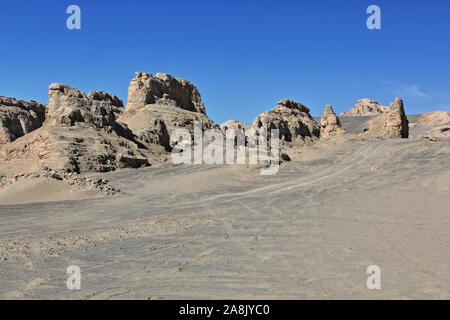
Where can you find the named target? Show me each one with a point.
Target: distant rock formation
(435, 124)
(365, 107)
(158, 105)
(18, 118)
(292, 119)
(233, 124)
(393, 124)
(163, 89)
(330, 124)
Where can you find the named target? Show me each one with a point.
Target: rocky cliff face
(365, 107)
(393, 124)
(18, 118)
(330, 124)
(163, 89)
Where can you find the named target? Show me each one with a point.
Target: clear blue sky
(242, 55)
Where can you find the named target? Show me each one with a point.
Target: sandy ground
(218, 232)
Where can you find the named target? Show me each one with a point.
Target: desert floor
(216, 232)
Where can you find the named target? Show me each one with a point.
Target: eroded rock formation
(18, 118)
(163, 89)
(393, 124)
(365, 107)
(80, 134)
(330, 124)
(292, 119)
(158, 105)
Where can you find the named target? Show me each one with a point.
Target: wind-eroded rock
(365, 107)
(18, 118)
(393, 124)
(330, 124)
(292, 119)
(80, 134)
(163, 89)
(434, 124)
(69, 106)
(158, 105)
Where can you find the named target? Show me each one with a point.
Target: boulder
(330, 124)
(18, 118)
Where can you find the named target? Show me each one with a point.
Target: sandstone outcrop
(292, 119)
(158, 105)
(434, 124)
(163, 89)
(295, 125)
(69, 106)
(18, 118)
(330, 124)
(233, 124)
(393, 124)
(365, 107)
(80, 134)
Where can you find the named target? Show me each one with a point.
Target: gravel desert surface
(202, 232)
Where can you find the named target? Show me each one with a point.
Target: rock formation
(69, 106)
(80, 134)
(393, 124)
(292, 119)
(330, 124)
(365, 107)
(158, 105)
(163, 89)
(233, 124)
(18, 118)
(434, 124)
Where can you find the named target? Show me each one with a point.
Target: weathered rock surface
(69, 106)
(295, 125)
(158, 105)
(163, 89)
(365, 107)
(330, 124)
(80, 134)
(292, 119)
(18, 118)
(434, 124)
(233, 124)
(393, 124)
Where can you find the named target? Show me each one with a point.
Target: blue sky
(242, 55)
